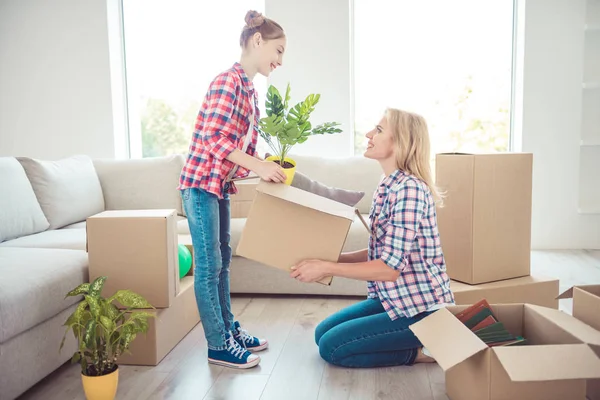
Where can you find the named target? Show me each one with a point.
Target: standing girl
(223, 147)
(403, 265)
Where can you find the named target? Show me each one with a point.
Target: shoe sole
(258, 348)
(236, 366)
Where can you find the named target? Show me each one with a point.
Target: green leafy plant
(283, 128)
(103, 331)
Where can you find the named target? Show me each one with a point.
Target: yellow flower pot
(101, 387)
(289, 172)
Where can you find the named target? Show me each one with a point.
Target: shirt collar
(392, 178)
(247, 83)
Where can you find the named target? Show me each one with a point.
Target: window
(450, 61)
(173, 50)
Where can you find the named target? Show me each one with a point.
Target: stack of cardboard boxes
(137, 250)
(485, 229)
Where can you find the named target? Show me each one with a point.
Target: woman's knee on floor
(328, 343)
(321, 330)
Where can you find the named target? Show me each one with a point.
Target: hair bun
(254, 19)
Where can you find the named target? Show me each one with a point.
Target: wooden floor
(291, 368)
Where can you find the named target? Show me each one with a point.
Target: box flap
(306, 199)
(447, 339)
(568, 294)
(575, 327)
(362, 220)
(531, 363)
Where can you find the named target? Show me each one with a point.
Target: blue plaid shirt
(405, 237)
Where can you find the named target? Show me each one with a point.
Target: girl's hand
(270, 172)
(310, 270)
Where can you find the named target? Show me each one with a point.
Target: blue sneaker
(234, 356)
(248, 341)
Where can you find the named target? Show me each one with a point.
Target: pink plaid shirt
(221, 127)
(406, 238)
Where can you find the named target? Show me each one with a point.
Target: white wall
(317, 60)
(57, 97)
(551, 122)
(55, 83)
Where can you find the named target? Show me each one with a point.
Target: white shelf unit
(589, 153)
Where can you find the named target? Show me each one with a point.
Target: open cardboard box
(555, 364)
(586, 303)
(586, 306)
(286, 225)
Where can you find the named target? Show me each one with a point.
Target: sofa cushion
(20, 212)
(141, 184)
(68, 189)
(76, 225)
(357, 239)
(33, 285)
(72, 239)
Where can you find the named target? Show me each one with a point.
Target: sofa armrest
(142, 184)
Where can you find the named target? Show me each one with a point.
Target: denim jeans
(364, 336)
(209, 222)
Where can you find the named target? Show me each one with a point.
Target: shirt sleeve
(220, 131)
(405, 218)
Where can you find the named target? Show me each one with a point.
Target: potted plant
(283, 128)
(104, 332)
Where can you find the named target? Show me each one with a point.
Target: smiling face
(268, 53)
(263, 42)
(381, 142)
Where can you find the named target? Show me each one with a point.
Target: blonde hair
(411, 137)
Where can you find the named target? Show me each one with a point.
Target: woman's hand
(311, 270)
(270, 172)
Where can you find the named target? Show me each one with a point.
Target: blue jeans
(209, 222)
(364, 336)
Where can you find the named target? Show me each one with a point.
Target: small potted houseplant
(283, 128)
(104, 332)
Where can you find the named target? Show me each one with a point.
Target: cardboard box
(538, 290)
(135, 250)
(165, 331)
(586, 303)
(241, 202)
(554, 365)
(287, 225)
(586, 306)
(485, 222)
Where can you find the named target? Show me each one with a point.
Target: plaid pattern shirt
(221, 127)
(405, 236)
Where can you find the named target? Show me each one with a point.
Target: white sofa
(43, 208)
